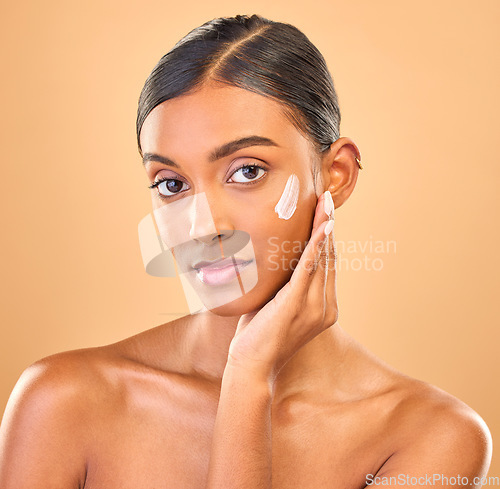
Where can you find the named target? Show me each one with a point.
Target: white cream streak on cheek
(288, 202)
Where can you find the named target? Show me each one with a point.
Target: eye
(168, 187)
(248, 173)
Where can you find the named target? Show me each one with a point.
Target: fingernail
(328, 206)
(328, 228)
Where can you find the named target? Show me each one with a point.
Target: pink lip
(220, 271)
(218, 264)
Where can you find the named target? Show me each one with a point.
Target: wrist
(249, 375)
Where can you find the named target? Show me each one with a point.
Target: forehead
(213, 115)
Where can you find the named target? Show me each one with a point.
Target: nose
(209, 222)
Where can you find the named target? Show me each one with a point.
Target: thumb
(244, 320)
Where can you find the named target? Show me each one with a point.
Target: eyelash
(166, 197)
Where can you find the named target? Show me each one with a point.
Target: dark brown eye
(173, 185)
(167, 187)
(249, 172)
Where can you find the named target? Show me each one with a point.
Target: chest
(168, 445)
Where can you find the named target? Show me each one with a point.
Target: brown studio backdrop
(418, 85)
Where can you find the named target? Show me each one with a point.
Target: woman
(238, 127)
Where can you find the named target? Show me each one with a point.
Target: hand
(307, 305)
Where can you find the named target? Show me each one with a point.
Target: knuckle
(316, 316)
(323, 256)
(295, 309)
(332, 316)
(310, 267)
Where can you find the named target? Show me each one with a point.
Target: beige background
(418, 86)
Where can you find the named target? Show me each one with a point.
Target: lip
(221, 271)
(219, 264)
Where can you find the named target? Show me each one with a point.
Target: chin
(249, 302)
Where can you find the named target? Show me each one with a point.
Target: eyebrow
(218, 153)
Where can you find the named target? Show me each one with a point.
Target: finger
(317, 286)
(308, 263)
(331, 280)
(320, 214)
(324, 211)
(317, 289)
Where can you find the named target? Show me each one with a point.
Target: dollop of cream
(287, 204)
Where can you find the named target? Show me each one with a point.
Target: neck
(315, 365)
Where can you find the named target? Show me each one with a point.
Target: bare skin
(142, 412)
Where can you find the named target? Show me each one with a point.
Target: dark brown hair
(271, 58)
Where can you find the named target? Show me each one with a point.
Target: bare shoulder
(58, 417)
(419, 419)
(66, 384)
(435, 433)
(438, 412)
(60, 406)
(46, 421)
(66, 375)
(419, 429)
(93, 377)
(74, 365)
(71, 385)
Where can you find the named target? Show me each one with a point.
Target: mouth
(220, 271)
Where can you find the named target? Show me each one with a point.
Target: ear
(339, 169)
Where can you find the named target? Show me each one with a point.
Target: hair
(270, 58)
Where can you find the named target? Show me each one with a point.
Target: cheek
(287, 204)
(282, 239)
(294, 210)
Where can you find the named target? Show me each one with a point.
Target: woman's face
(208, 208)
